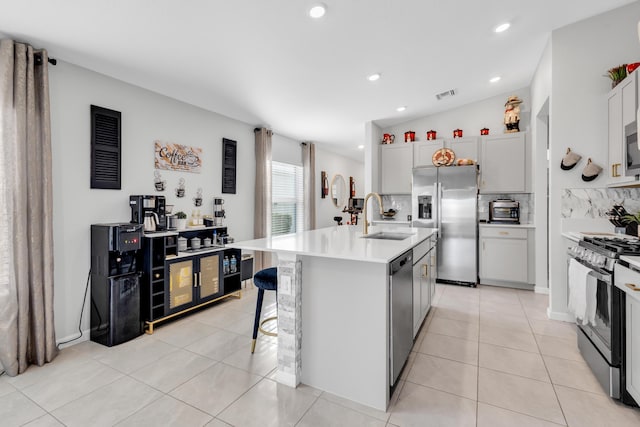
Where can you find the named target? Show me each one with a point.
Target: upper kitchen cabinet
(622, 106)
(396, 164)
(423, 151)
(464, 148)
(503, 163)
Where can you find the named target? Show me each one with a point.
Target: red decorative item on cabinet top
(484, 131)
(409, 136)
(431, 135)
(457, 133)
(632, 67)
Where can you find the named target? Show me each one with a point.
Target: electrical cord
(84, 300)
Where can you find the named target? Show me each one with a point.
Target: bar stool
(265, 280)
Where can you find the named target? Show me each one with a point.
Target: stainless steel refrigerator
(446, 198)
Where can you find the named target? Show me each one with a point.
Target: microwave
(504, 211)
(632, 150)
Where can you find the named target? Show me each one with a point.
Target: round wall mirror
(338, 191)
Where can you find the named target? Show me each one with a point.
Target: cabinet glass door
(209, 276)
(180, 283)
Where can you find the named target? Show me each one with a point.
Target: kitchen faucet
(365, 228)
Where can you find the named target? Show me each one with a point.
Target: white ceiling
(266, 62)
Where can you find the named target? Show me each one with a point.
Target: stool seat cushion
(267, 279)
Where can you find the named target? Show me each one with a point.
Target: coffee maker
(143, 208)
(116, 256)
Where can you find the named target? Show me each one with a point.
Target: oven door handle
(605, 278)
(595, 273)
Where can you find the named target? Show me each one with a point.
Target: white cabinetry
(626, 279)
(423, 281)
(464, 148)
(504, 256)
(423, 152)
(622, 106)
(632, 308)
(396, 163)
(503, 167)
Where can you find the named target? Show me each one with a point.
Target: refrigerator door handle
(439, 193)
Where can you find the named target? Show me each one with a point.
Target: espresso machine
(116, 264)
(150, 211)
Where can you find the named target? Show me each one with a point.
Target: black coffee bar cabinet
(177, 281)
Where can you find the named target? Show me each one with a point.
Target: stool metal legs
(257, 325)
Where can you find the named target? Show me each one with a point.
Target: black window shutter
(106, 155)
(229, 154)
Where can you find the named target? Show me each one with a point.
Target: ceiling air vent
(446, 93)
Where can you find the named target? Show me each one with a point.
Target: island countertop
(343, 242)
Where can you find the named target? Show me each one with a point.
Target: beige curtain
(262, 211)
(26, 239)
(309, 166)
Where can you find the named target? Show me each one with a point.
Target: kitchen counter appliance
(150, 211)
(115, 282)
(400, 313)
(505, 211)
(602, 344)
(446, 198)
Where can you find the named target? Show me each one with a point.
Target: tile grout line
(547, 369)
(478, 372)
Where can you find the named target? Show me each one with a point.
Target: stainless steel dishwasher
(400, 313)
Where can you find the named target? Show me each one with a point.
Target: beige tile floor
(484, 357)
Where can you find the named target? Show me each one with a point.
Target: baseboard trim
(541, 290)
(561, 316)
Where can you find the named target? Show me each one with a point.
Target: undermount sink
(387, 236)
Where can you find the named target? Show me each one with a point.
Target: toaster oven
(504, 211)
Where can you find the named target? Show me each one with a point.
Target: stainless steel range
(601, 340)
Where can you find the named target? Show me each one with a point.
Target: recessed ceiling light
(374, 77)
(502, 27)
(360, 147)
(317, 11)
(495, 79)
(401, 109)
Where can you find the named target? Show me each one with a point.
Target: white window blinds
(287, 213)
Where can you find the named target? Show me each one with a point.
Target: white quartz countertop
(504, 225)
(632, 260)
(343, 242)
(572, 235)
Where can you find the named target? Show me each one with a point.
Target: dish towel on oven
(580, 290)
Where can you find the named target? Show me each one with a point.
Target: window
(287, 209)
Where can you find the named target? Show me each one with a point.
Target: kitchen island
(334, 308)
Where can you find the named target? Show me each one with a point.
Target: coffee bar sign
(177, 157)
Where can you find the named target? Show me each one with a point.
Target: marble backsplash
(595, 202)
(526, 205)
(401, 203)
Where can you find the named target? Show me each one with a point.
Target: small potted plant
(617, 74)
(182, 220)
(631, 221)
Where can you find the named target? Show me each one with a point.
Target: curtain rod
(38, 58)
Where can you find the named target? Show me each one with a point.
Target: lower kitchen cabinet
(423, 281)
(192, 281)
(174, 282)
(632, 359)
(504, 256)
